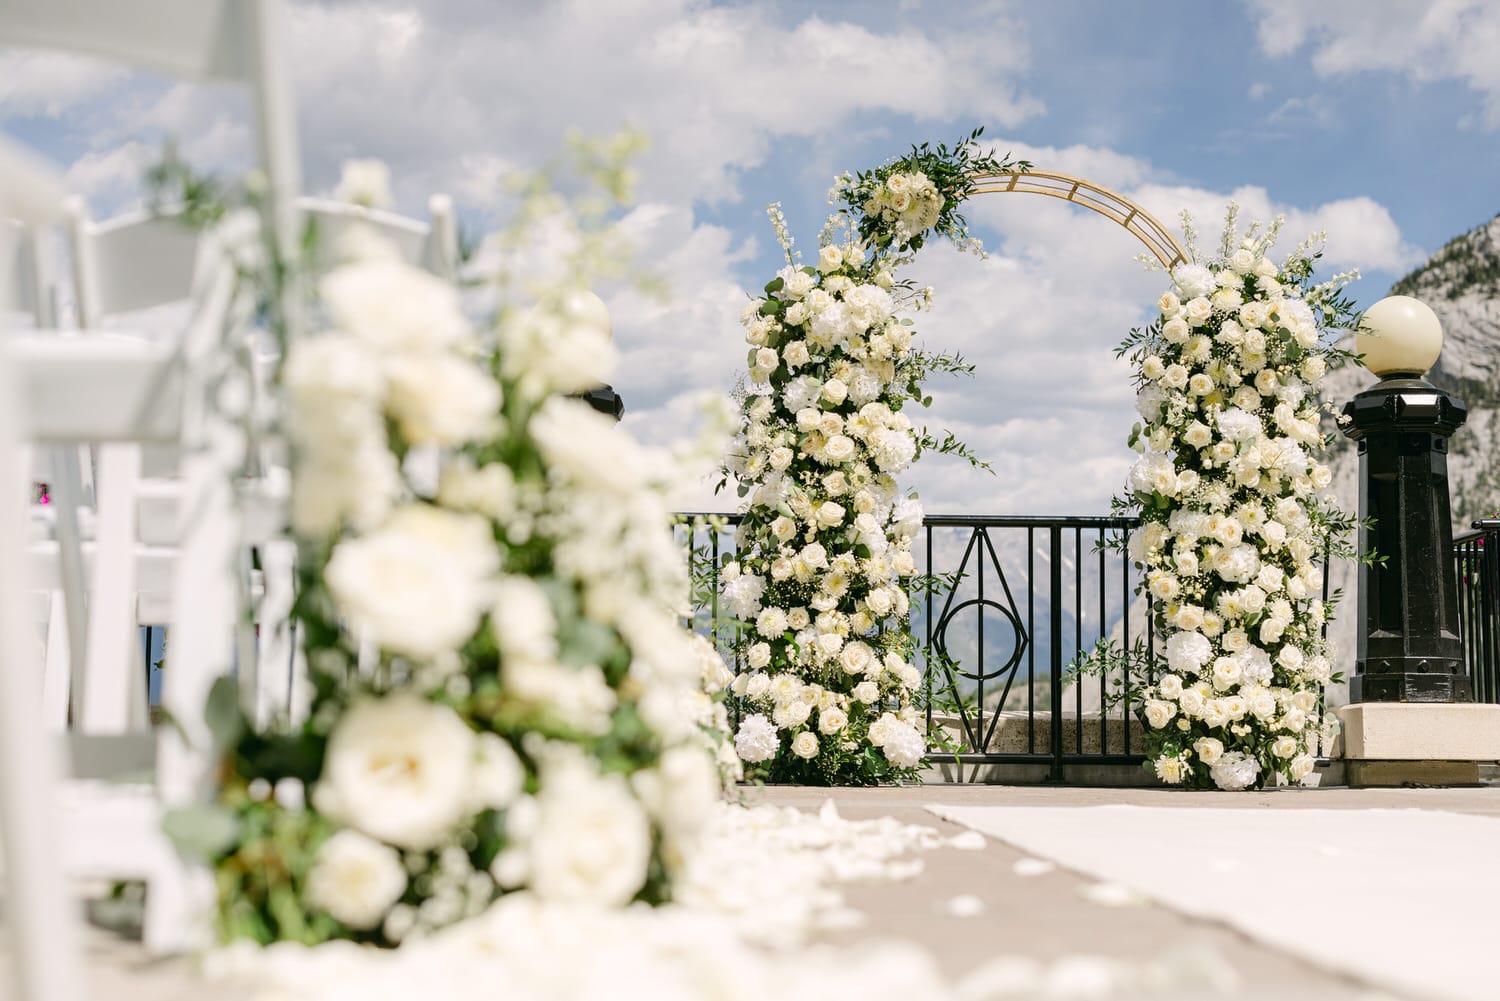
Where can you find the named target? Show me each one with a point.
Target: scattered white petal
(968, 841)
(1112, 895)
(1003, 977)
(1032, 867)
(1084, 977)
(965, 906)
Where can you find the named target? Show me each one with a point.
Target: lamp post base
(1411, 685)
(1385, 774)
(1391, 743)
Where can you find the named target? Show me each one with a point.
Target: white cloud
(48, 84)
(1424, 39)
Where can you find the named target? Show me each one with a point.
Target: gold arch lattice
(1110, 204)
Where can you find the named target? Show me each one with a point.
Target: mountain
(1461, 282)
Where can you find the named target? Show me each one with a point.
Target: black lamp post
(1409, 645)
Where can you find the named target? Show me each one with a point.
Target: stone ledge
(1419, 731)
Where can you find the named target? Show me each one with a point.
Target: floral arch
(1110, 204)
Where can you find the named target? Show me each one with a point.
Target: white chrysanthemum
(903, 746)
(1193, 280)
(1188, 652)
(355, 879)
(756, 740)
(1154, 473)
(742, 596)
(1238, 425)
(1235, 770)
(399, 769)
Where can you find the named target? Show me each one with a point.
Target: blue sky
(1379, 119)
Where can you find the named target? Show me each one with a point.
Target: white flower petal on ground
(1032, 866)
(1111, 895)
(964, 906)
(971, 841)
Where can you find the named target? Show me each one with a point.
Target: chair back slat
(200, 39)
(136, 262)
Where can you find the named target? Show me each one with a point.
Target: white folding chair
(29, 295)
(43, 934)
(158, 391)
(432, 245)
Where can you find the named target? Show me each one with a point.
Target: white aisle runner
(1406, 899)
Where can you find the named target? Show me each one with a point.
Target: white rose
(1170, 686)
(414, 806)
(441, 399)
(840, 448)
(857, 658)
(1284, 747)
(418, 584)
(393, 307)
(830, 258)
(1208, 749)
(805, 744)
(366, 183)
(1300, 767)
(592, 843)
(1191, 702)
(835, 391)
(1243, 261)
(867, 692)
(1226, 673)
(1159, 713)
(498, 774)
(1198, 310)
(832, 720)
(355, 879)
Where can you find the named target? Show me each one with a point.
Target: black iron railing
(1024, 598)
(1476, 564)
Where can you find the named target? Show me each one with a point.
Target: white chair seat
(263, 505)
(101, 388)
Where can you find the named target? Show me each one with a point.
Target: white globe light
(583, 306)
(1399, 336)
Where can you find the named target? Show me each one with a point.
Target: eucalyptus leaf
(226, 722)
(202, 832)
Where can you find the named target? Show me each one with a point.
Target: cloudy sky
(1375, 119)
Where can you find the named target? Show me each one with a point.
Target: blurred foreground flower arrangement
(499, 695)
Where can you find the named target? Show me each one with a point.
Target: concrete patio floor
(1045, 917)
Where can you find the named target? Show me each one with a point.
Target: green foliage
(955, 172)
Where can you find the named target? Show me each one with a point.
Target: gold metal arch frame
(1110, 204)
